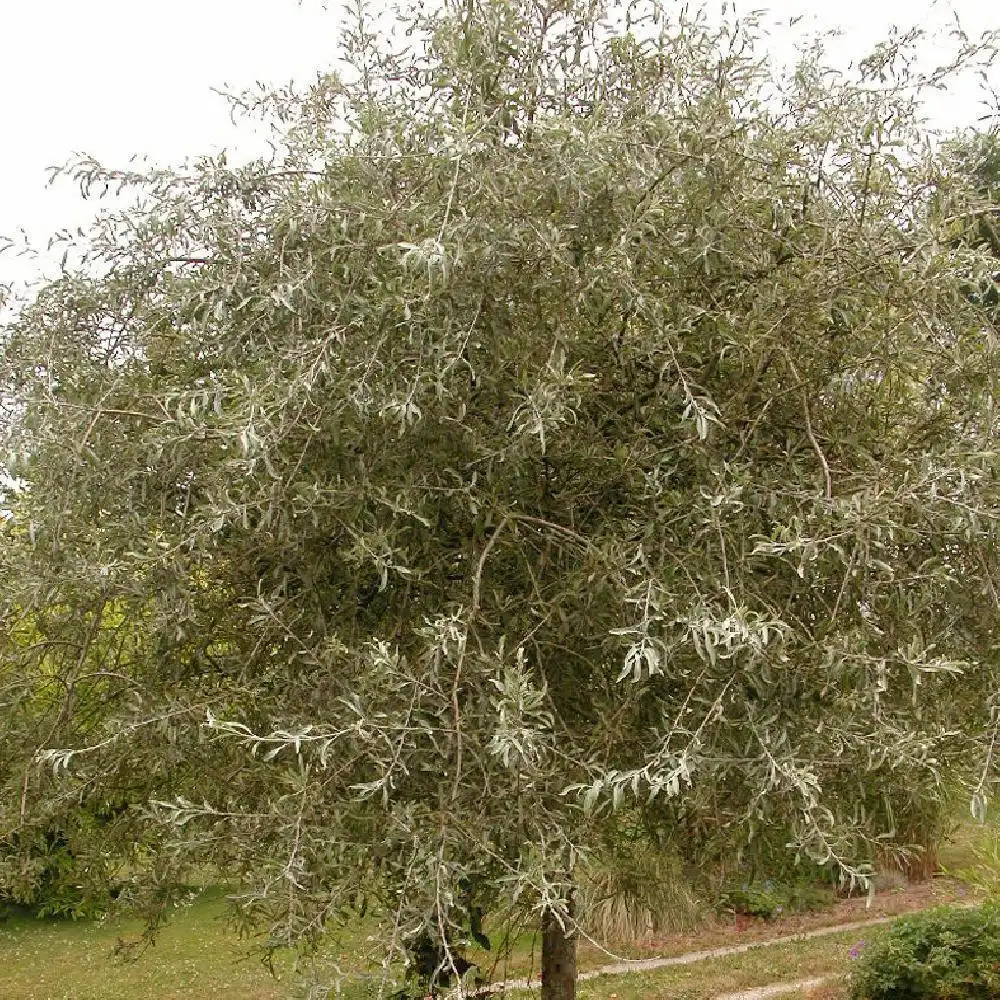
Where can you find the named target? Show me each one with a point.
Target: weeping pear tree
(574, 415)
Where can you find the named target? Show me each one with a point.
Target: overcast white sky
(117, 77)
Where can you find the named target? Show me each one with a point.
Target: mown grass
(197, 957)
(760, 966)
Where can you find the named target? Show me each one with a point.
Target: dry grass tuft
(628, 900)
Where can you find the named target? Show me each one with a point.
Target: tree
(571, 414)
(969, 201)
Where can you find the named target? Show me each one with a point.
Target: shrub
(49, 867)
(948, 953)
(752, 899)
(772, 897)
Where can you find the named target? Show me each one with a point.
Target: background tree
(969, 201)
(571, 413)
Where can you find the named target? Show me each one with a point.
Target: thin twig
(817, 448)
(24, 796)
(843, 585)
(809, 430)
(454, 180)
(477, 582)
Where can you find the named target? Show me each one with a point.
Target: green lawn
(197, 957)
(757, 967)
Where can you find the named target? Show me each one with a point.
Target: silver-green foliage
(572, 412)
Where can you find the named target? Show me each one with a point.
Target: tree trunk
(559, 955)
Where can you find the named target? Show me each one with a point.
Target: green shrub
(948, 953)
(752, 900)
(772, 897)
(49, 868)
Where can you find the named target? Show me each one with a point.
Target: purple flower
(856, 950)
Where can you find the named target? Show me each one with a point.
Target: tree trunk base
(559, 955)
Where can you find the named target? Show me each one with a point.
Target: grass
(196, 957)
(756, 967)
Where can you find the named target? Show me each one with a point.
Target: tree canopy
(573, 414)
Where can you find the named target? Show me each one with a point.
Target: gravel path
(763, 992)
(641, 965)
(688, 958)
(646, 964)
